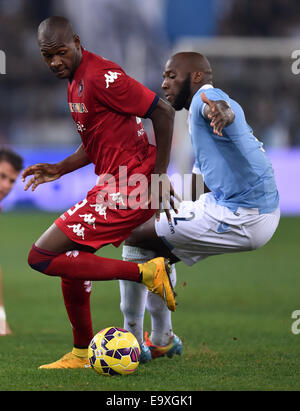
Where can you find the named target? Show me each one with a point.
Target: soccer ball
(114, 351)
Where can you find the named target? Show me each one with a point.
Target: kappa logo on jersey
(111, 77)
(87, 286)
(141, 131)
(117, 198)
(78, 230)
(100, 209)
(89, 219)
(73, 253)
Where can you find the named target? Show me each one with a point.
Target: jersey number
(176, 219)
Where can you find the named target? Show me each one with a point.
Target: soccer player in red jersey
(105, 103)
(11, 164)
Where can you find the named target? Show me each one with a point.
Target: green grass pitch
(233, 315)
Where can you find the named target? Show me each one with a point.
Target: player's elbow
(231, 116)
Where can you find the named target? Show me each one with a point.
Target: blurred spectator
(273, 108)
(129, 33)
(10, 166)
(258, 18)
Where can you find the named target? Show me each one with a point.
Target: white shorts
(204, 228)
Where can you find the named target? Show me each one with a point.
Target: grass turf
(233, 315)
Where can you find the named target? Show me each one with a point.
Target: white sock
(134, 295)
(2, 320)
(161, 321)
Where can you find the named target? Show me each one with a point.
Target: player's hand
(166, 197)
(219, 112)
(42, 173)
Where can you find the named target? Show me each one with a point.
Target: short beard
(181, 100)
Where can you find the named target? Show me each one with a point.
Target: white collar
(206, 86)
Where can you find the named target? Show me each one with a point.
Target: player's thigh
(262, 228)
(53, 239)
(145, 236)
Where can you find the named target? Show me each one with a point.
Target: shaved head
(193, 62)
(55, 28)
(60, 46)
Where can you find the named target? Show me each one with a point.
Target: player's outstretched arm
(163, 121)
(219, 112)
(44, 172)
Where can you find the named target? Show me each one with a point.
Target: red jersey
(106, 106)
(105, 103)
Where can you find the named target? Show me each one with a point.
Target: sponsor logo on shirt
(78, 108)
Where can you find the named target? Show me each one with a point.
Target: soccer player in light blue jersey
(238, 212)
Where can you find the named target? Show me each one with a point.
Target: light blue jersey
(235, 167)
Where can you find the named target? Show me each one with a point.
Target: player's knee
(133, 239)
(123, 307)
(143, 236)
(39, 259)
(128, 308)
(131, 310)
(128, 311)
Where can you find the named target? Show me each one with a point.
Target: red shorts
(93, 223)
(86, 224)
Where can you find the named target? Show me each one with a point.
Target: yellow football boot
(155, 276)
(69, 360)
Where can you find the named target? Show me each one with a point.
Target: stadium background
(236, 313)
(249, 44)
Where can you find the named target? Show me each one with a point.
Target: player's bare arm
(44, 172)
(219, 112)
(163, 119)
